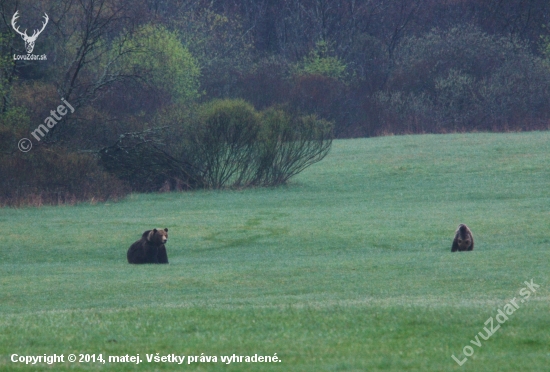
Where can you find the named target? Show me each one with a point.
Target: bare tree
(87, 30)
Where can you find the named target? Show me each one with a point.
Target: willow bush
(225, 143)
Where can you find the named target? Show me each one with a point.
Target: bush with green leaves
(224, 138)
(238, 146)
(320, 62)
(289, 144)
(158, 56)
(224, 143)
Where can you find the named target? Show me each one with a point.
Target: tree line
(159, 86)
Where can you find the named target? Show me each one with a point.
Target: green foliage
(236, 146)
(290, 144)
(158, 56)
(216, 40)
(224, 139)
(221, 45)
(320, 62)
(224, 143)
(6, 71)
(464, 79)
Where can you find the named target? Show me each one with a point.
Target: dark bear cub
(150, 248)
(464, 240)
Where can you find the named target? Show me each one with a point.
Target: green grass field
(346, 269)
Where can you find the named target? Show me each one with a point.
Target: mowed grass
(346, 269)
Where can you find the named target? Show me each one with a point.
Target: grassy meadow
(348, 268)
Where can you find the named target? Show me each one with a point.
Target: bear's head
(158, 236)
(464, 237)
(463, 244)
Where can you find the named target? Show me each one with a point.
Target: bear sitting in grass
(150, 248)
(464, 240)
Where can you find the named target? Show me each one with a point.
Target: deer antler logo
(29, 40)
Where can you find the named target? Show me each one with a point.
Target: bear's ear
(155, 231)
(165, 229)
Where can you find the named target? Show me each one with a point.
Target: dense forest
(147, 95)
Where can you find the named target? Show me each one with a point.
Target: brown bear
(464, 240)
(150, 248)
